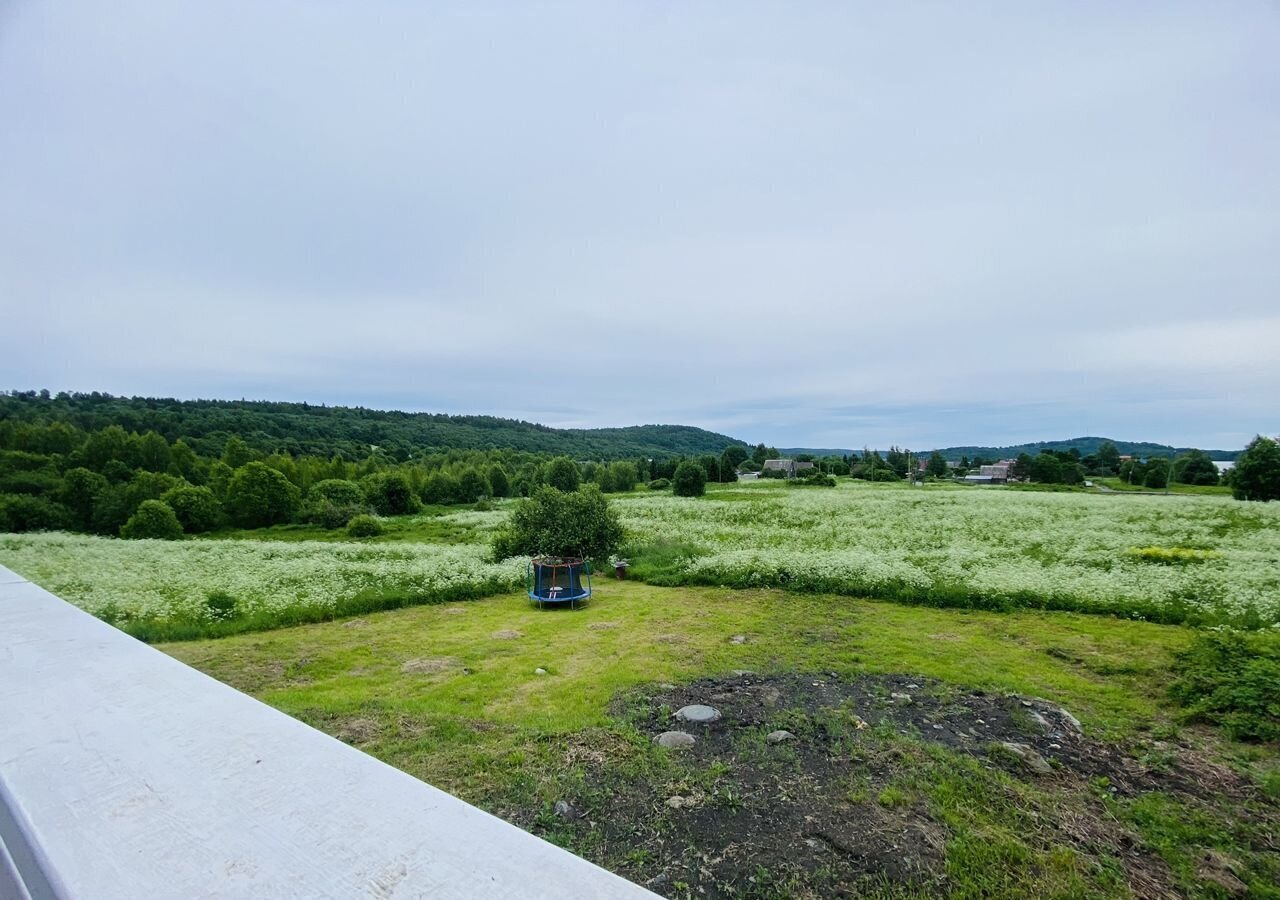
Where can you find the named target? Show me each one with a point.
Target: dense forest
(157, 468)
(304, 429)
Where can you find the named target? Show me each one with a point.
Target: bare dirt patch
(432, 665)
(842, 806)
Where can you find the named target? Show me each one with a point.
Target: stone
(698, 714)
(507, 634)
(1040, 721)
(676, 802)
(1030, 758)
(539, 671)
(777, 737)
(770, 696)
(898, 697)
(675, 740)
(738, 639)
(567, 811)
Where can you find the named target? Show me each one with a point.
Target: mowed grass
(450, 693)
(1110, 671)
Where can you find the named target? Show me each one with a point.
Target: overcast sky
(809, 224)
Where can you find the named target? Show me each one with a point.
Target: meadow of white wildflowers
(1123, 554)
(123, 580)
(980, 547)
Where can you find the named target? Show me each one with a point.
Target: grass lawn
(892, 797)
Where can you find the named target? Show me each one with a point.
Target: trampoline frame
(566, 573)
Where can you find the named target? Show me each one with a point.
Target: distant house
(998, 473)
(789, 467)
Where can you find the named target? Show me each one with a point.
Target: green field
(1016, 612)
(1202, 560)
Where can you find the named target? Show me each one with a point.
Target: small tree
(1257, 472)
(1195, 468)
(562, 474)
(499, 484)
(1157, 474)
(333, 502)
(557, 523)
(196, 508)
(441, 488)
(937, 466)
(690, 479)
(154, 519)
(258, 495)
(472, 486)
(364, 526)
(79, 492)
(389, 493)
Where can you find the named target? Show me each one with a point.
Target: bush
(815, 478)
(562, 473)
(772, 473)
(334, 502)
(154, 519)
(690, 479)
(1257, 472)
(1232, 679)
(556, 523)
(196, 508)
(472, 485)
(389, 493)
(365, 526)
(22, 512)
(258, 496)
(440, 488)
(659, 484)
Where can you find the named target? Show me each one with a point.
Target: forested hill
(302, 428)
(1088, 446)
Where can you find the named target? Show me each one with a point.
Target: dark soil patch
(843, 808)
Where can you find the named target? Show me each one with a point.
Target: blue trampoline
(558, 581)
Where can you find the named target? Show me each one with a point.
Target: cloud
(827, 225)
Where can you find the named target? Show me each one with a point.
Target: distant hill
(325, 430)
(1086, 446)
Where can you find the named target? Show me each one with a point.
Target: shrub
(79, 492)
(1257, 472)
(196, 508)
(659, 484)
(365, 526)
(389, 493)
(440, 488)
(154, 519)
(1232, 679)
(258, 495)
(472, 485)
(334, 502)
(337, 491)
(815, 478)
(622, 476)
(690, 479)
(562, 473)
(22, 512)
(557, 523)
(772, 473)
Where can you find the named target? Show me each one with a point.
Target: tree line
(111, 481)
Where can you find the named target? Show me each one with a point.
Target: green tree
(389, 493)
(1046, 469)
(1257, 472)
(499, 484)
(622, 476)
(1109, 458)
(333, 502)
(690, 479)
(22, 512)
(154, 519)
(553, 522)
(562, 474)
(236, 453)
(154, 454)
(472, 485)
(440, 488)
(79, 492)
(258, 496)
(1157, 473)
(733, 456)
(196, 508)
(1195, 468)
(937, 466)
